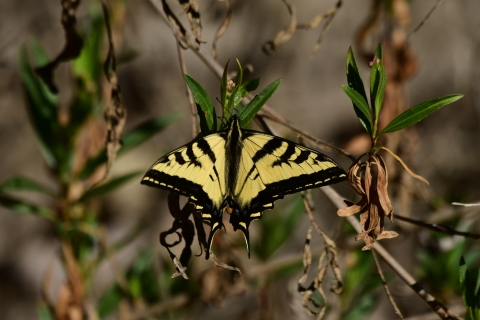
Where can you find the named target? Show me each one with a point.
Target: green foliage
(470, 282)
(206, 110)
(232, 93)
(367, 116)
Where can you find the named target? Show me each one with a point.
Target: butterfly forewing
(284, 167)
(194, 170)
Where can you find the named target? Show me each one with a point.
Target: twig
(193, 107)
(438, 307)
(439, 228)
(385, 285)
(424, 19)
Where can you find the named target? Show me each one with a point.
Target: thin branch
(193, 107)
(424, 19)
(438, 307)
(385, 285)
(439, 228)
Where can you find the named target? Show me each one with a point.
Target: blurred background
(125, 272)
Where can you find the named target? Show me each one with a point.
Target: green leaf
(233, 93)
(109, 301)
(42, 105)
(109, 186)
(360, 106)
(419, 112)
(244, 89)
(145, 131)
(223, 86)
(44, 312)
(378, 83)
(251, 109)
(88, 65)
(355, 82)
(204, 103)
(24, 184)
(24, 207)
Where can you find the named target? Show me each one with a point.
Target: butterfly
(241, 173)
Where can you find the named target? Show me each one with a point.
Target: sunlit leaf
(419, 112)
(378, 82)
(355, 82)
(251, 109)
(233, 93)
(360, 105)
(244, 89)
(204, 103)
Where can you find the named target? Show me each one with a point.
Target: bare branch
(385, 285)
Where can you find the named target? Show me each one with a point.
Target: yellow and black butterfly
(240, 172)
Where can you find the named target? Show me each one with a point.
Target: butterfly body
(240, 172)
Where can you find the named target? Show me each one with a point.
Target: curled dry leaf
(73, 45)
(283, 35)
(115, 112)
(191, 8)
(223, 27)
(370, 180)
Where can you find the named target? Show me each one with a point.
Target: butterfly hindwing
(240, 172)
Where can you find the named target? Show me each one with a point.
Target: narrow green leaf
(378, 83)
(361, 105)
(24, 184)
(109, 301)
(355, 82)
(223, 86)
(88, 65)
(145, 131)
(41, 103)
(257, 103)
(109, 186)
(244, 89)
(24, 207)
(419, 112)
(232, 95)
(204, 102)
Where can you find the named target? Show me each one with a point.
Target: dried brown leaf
(115, 113)
(191, 8)
(284, 35)
(382, 187)
(222, 29)
(387, 235)
(416, 176)
(73, 44)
